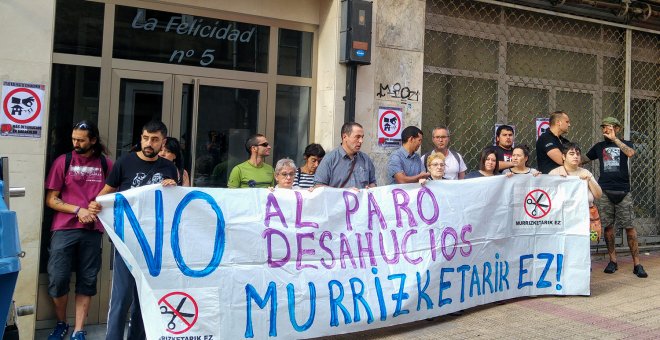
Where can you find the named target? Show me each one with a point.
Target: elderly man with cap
(616, 205)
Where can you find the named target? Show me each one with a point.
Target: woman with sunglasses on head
(305, 174)
(520, 160)
(172, 151)
(487, 164)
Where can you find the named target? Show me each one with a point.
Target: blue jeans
(124, 295)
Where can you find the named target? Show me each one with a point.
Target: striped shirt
(303, 180)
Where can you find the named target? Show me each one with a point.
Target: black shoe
(639, 271)
(612, 267)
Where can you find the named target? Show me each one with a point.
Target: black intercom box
(355, 32)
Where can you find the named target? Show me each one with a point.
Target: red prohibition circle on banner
(537, 204)
(543, 125)
(11, 117)
(381, 124)
(176, 315)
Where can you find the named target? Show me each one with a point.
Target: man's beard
(81, 151)
(150, 154)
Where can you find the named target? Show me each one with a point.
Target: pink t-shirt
(84, 181)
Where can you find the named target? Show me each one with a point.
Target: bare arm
(95, 207)
(504, 165)
(628, 151)
(54, 202)
(461, 175)
(555, 155)
(400, 177)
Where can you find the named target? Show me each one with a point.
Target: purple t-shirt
(84, 181)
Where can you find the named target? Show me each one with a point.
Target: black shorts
(79, 247)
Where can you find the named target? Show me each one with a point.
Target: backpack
(67, 163)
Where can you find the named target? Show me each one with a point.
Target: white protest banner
(250, 263)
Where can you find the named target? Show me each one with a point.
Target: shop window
(294, 55)
(78, 27)
(74, 96)
(181, 39)
(292, 108)
(548, 63)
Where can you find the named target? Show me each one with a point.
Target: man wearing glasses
(73, 181)
(405, 165)
(454, 165)
(253, 173)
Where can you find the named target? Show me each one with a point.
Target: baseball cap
(611, 121)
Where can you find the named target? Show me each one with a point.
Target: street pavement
(621, 306)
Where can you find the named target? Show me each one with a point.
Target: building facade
(216, 72)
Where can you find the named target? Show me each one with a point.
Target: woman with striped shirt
(305, 174)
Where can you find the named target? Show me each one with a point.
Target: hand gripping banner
(251, 263)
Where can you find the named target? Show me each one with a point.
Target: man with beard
(504, 148)
(73, 181)
(135, 169)
(616, 205)
(346, 166)
(254, 172)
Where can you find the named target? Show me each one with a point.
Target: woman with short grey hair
(285, 173)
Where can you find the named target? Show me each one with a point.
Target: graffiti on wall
(398, 92)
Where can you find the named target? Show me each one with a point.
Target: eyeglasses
(442, 165)
(288, 174)
(440, 137)
(264, 144)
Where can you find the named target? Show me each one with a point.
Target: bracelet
(75, 212)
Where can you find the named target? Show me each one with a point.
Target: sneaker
(611, 267)
(639, 271)
(79, 335)
(61, 328)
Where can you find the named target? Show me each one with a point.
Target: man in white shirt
(454, 165)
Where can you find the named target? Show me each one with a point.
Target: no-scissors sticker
(537, 204)
(22, 109)
(179, 311)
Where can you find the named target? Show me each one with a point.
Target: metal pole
(351, 89)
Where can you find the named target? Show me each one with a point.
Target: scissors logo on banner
(183, 317)
(537, 204)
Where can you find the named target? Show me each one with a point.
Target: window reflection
(292, 108)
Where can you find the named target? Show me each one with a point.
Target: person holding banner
(285, 172)
(347, 166)
(405, 165)
(143, 167)
(436, 165)
(313, 155)
(548, 146)
(254, 172)
(616, 205)
(520, 161)
(487, 164)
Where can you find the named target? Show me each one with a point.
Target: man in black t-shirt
(616, 205)
(504, 147)
(548, 146)
(136, 169)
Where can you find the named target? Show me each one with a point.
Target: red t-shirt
(83, 182)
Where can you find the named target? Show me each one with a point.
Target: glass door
(137, 98)
(216, 117)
